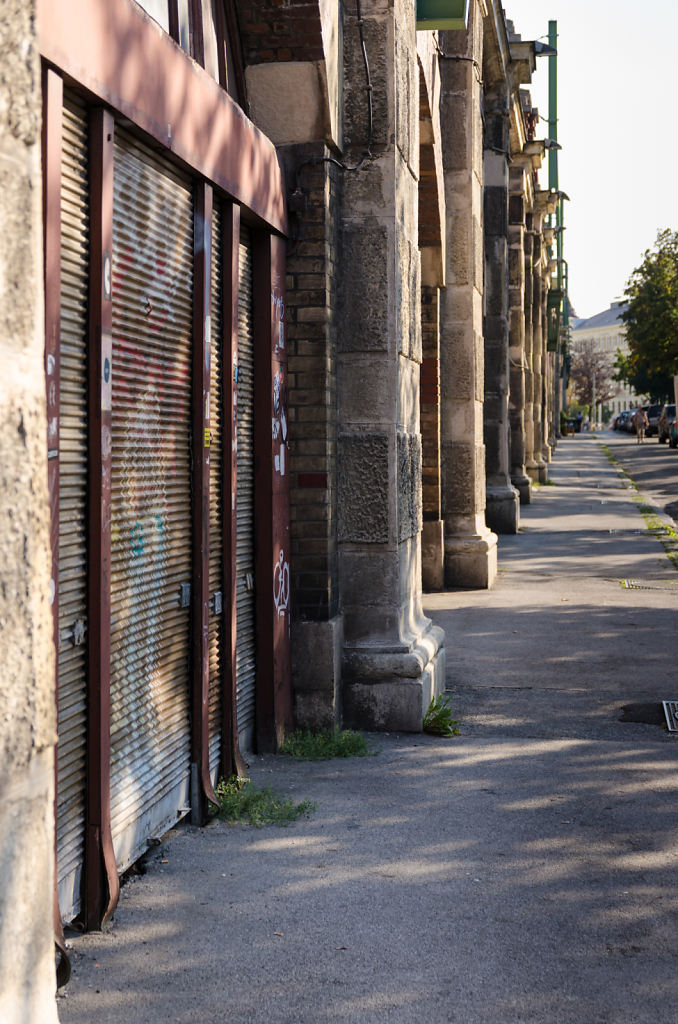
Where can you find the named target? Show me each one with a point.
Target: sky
(617, 124)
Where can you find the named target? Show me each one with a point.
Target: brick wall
(311, 333)
(279, 30)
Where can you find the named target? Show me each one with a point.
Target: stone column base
(546, 453)
(523, 485)
(471, 560)
(316, 673)
(432, 555)
(536, 470)
(390, 689)
(502, 510)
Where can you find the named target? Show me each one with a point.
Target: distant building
(608, 333)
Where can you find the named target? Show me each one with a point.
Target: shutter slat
(216, 562)
(151, 495)
(72, 678)
(245, 606)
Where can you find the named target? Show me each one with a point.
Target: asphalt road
(653, 466)
(524, 871)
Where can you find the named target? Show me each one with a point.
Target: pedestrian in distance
(640, 422)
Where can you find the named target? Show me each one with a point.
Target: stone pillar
(503, 501)
(470, 547)
(550, 402)
(545, 359)
(536, 467)
(537, 355)
(27, 683)
(519, 477)
(540, 426)
(432, 555)
(530, 464)
(393, 659)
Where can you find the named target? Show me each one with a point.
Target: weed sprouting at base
(326, 744)
(438, 718)
(241, 801)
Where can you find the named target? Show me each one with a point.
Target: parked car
(673, 434)
(621, 420)
(653, 414)
(627, 421)
(668, 415)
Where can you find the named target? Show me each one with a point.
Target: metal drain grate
(671, 712)
(666, 585)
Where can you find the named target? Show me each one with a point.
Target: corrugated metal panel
(246, 636)
(72, 679)
(217, 582)
(150, 495)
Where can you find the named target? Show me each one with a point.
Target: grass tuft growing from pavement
(241, 801)
(665, 534)
(438, 718)
(326, 744)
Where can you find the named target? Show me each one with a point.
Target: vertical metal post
(231, 759)
(101, 876)
(201, 787)
(271, 490)
(553, 105)
(52, 100)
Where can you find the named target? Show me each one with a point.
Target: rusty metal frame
(52, 121)
(227, 29)
(173, 12)
(101, 876)
(197, 32)
(232, 760)
(271, 495)
(201, 783)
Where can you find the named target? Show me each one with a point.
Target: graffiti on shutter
(245, 596)
(150, 495)
(216, 569)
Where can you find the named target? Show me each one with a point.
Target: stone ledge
(394, 704)
(471, 560)
(502, 512)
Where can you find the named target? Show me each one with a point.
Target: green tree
(634, 372)
(651, 319)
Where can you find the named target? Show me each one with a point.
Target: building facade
(284, 365)
(606, 333)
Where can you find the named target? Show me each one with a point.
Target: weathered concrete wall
(536, 466)
(470, 548)
(517, 205)
(503, 502)
(393, 659)
(27, 710)
(293, 55)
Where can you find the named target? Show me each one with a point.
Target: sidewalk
(524, 871)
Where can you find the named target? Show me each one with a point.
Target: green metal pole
(553, 134)
(553, 105)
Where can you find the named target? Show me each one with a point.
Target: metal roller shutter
(150, 496)
(216, 568)
(245, 604)
(72, 673)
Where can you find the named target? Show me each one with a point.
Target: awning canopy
(442, 14)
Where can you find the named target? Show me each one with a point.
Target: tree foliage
(634, 372)
(652, 319)
(591, 374)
